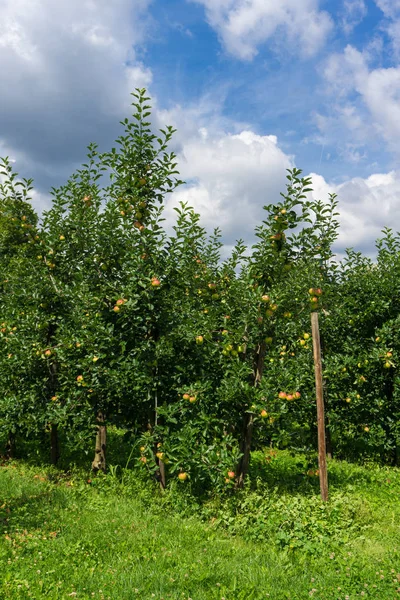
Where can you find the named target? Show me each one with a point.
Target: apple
(116, 309)
(120, 301)
(287, 315)
(225, 332)
(282, 395)
(318, 292)
(186, 396)
(306, 336)
(268, 340)
(297, 395)
(79, 378)
(155, 282)
(378, 339)
(142, 448)
(182, 476)
(215, 296)
(231, 474)
(389, 354)
(192, 399)
(311, 291)
(240, 349)
(289, 397)
(269, 313)
(122, 213)
(142, 181)
(142, 204)
(160, 455)
(143, 459)
(283, 211)
(263, 414)
(387, 365)
(366, 429)
(47, 353)
(199, 339)
(212, 286)
(95, 358)
(265, 298)
(303, 342)
(62, 238)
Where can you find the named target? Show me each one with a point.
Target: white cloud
(366, 206)
(243, 25)
(67, 70)
(353, 13)
(365, 101)
(230, 178)
(391, 10)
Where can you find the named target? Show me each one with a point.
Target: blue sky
(253, 87)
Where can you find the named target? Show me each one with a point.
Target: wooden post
(323, 472)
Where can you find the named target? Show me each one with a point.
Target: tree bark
(54, 444)
(248, 424)
(99, 461)
(10, 445)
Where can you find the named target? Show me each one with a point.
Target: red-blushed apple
(212, 286)
(231, 474)
(192, 399)
(199, 339)
(116, 309)
(263, 414)
(265, 298)
(289, 397)
(155, 282)
(318, 292)
(120, 301)
(314, 299)
(47, 353)
(297, 395)
(282, 395)
(186, 396)
(79, 378)
(182, 476)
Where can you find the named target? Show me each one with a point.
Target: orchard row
(106, 319)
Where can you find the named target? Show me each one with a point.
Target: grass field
(117, 538)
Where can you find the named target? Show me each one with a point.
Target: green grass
(117, 538)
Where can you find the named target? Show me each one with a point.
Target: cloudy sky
(253, 87)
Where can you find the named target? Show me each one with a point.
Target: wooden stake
(323, 472)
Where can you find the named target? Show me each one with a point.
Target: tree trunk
(161, 466)
(10, 445)
(248, 425)
(54, 445)
(99, 461)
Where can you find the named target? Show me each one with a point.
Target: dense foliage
(108, 319)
